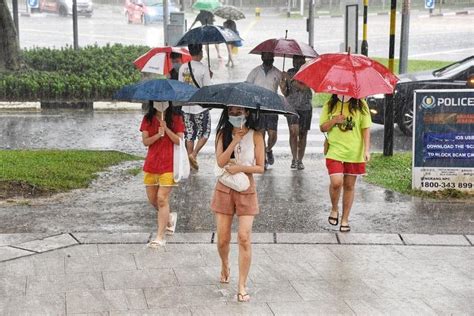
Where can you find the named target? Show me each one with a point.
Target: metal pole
(388, 114)
(15, 18)
(393, 16)
(364, 49)
(302, 7)
(310, 23)
(403, 65)
(288, 12)
(166, 17)
(74, 24)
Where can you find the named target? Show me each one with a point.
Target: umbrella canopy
(229, 12)
(208, 34)
(156, 90)
(284, 48)
(242, 94)
(158, 60)
(208, 5)
(343, 73)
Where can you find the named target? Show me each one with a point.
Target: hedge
(91, 73)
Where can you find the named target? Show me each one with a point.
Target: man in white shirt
(267, 76)
(196, 118)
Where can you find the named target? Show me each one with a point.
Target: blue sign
(443, 140)
(429, 4)
(33, 3)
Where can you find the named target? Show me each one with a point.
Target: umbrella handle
(208, 59)
(284, 56)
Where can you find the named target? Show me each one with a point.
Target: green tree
(9, 46)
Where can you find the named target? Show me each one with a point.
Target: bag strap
(192, 75)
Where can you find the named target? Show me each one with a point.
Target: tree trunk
(9, 46)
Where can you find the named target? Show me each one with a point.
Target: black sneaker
(270, 158)
(300, 165)
(293, 164)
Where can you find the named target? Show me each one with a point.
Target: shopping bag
(180, 162)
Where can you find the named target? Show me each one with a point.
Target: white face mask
(237, 121)
(160, 106)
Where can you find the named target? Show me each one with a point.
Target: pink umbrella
(158, 60)
(283, 47)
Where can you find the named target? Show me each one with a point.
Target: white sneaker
(155, 244)
(172, 220)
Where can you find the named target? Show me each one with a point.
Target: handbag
(237, 181)
(180, 162)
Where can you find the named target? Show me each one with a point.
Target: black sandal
(345, 228)
(335, 219)
(242, 297)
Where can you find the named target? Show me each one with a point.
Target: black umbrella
(242, 94)
(208, 34)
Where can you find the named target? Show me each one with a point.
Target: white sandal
(170, 229)
(155, 244)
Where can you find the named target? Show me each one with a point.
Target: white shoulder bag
(180, 162)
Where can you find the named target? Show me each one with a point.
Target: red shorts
(349, 168)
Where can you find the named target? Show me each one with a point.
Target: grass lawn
(413, 66)
(394, 173)
(54, 170)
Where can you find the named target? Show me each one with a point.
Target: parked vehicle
(146, 11)
(453, 76)
(64, 7)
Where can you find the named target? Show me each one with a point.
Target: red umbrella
(343, 73)
(158, 60)
(284, 48)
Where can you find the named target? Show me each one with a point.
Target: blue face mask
(237, 121)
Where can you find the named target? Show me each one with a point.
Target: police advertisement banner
(443, 140)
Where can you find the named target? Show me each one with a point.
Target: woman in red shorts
(347, 122)
(239, 148)
(161, 128)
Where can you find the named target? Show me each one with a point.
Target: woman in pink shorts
(239, 148)
(347, 122)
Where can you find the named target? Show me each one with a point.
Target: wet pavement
(290, 201)
(115, 274)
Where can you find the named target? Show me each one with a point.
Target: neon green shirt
(346, 146)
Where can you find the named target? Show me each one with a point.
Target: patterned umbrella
(229, 12)
(208, 5)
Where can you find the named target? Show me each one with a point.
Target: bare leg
(272, 139)
(294, 128)
(224, 225)
(163, 210)
(347, 197)
(303, 134)
(201, 142)
(245, 250)
(218, 52)
(152, 194)
(190, 147)
(230, 62)
(335, 192)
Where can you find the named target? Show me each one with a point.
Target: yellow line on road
(249, 27)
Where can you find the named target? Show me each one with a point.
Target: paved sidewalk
(115, 274)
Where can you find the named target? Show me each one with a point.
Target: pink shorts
(227, 201)
(349, 168)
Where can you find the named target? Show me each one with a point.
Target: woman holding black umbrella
(239, 149)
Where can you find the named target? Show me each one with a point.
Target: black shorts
(268, 122)
(304, 121)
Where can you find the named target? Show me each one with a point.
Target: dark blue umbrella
(156, 90)
(242, 94)
(208, 34)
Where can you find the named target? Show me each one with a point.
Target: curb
(17, 247)
(97, 105)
